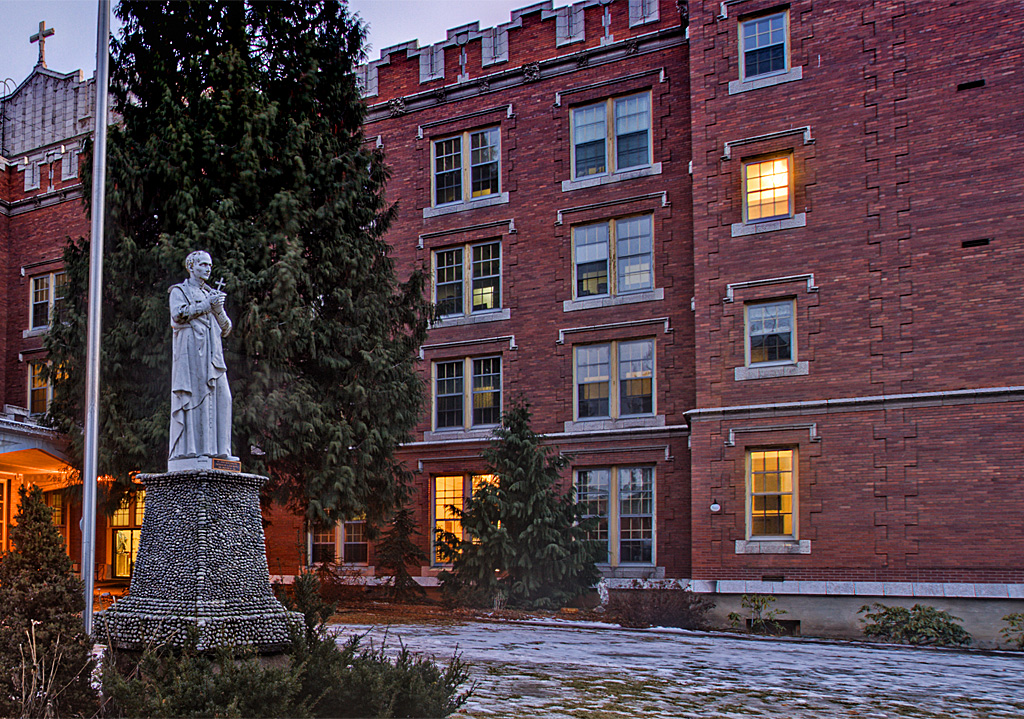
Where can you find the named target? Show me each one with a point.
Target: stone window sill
(569, 185)
(741, 229)
(37, 332)
(657, 293)
(499, 199)
(795, 369)
(738, 86)
(597, 425)
(773, 546)
(460, 320)
(441, 435)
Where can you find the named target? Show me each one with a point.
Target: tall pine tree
(522, 538)
(240, 134)
(41, 602)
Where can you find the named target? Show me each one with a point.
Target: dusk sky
(73, 46)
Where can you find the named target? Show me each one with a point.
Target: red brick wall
(903, 168)
(537, 258)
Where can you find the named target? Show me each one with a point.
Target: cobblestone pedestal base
(201, 567)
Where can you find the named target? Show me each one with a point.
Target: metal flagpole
(92, 360)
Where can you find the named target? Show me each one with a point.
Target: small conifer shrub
(44, 652)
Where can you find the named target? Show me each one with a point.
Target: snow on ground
(523, 670)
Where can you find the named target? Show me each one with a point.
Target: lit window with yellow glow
(767, 189)
(771, 477)
(467, 279)
(450, 492)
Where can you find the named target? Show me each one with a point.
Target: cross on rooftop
(40, 37)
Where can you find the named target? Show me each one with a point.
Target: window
(600, 147)
(456, 296)
(767, 189)
(40, 391)
(449, 494)
(614, 258)
(126, 524)
(324, 547)
(351, 535)
(355, 547)
(771, 475)
(624, 510)
(770, 333)
(452, 394)
(642, 11)
(47, 297)
(467, 166)
(763, 48)
(628, 391)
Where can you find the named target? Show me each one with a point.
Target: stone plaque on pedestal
(201, 566)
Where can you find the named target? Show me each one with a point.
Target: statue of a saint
(200, 396)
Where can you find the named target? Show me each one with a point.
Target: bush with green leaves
(45, 660)
(524, 543)
(640, 608)
(762, 618)
(921, 625)
(1013, 632)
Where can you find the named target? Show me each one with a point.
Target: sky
(73, 46)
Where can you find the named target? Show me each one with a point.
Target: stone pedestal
(201, 564)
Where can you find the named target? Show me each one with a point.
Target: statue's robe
(200, 396)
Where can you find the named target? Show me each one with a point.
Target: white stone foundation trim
(833, 588)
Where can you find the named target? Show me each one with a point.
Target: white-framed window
(611, 136)
(467, 280)
(614, 379)
(40, 391)
(461, 404)
(614, 257)
(449, 492)
(764, 46)
(467, 166)
(621, 499)
(642, 11)
(46, 295)
(767, 188)
(350, 536)
(771, 493)
(770, 332)
(126, 533)
(69, 164)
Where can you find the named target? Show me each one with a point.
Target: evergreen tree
(522, 538)
(42, 603)
(396, 551)
(240, 134)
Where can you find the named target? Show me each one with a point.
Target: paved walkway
(590, 672)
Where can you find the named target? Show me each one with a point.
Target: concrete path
(592, 672)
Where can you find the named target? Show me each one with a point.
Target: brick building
(753, 265)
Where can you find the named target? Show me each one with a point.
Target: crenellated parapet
(536, 34)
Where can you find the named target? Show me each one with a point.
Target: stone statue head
(190, 261)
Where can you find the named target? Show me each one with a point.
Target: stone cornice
(528, 73)
(43, 199)
(983, 395)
